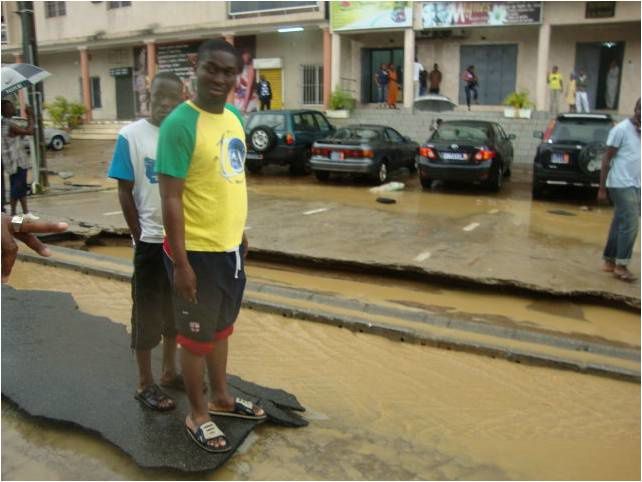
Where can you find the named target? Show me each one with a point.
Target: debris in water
(561, 212)
(386, 200)
(389, 186)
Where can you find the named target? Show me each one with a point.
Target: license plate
(454, 156)
(336, 156)
(560, 158)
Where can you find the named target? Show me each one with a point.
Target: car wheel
(497, 178)
(508, 173)
(538, 189)
(381, 176)
(301, 166)
(322, 175)
(57, 143)
(262, 139)
(426, 182)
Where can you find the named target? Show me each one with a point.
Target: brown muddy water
(569, 317)
(379, 409)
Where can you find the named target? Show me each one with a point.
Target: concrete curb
(86, 262)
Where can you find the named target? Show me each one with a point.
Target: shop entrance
(602, 62)
(125, 95)
(496, 68)
(371, 60)
(273, 76)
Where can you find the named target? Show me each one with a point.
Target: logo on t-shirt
(232, 157)
(149, 171)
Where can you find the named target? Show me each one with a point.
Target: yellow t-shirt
(555, 81)
(208, 151)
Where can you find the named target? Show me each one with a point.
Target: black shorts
(152, 309)
(18, 182)
(220, 282)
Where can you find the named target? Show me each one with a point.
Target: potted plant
(518, 104)
(341, 103)
(65, 114)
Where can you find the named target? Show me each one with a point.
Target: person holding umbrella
(14, 160)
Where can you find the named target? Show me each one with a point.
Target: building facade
(105, 53)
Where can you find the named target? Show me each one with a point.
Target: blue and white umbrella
(18, 76)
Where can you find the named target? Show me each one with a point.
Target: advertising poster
(480, 14)
(369, 15)
(181, 59)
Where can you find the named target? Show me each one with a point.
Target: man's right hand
(602, 198)
(185, 282)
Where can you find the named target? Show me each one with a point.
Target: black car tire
(262, 139)
(254, 166)
(322, 175)
(496, 180)
(508, 173)
(57, 143)
(382, 174)
(426, 182)
(538, 189)
(301, 165)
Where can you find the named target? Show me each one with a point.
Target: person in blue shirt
(621, 176)
(264, 91)
(382, 79)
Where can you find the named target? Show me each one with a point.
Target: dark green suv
(283, 137)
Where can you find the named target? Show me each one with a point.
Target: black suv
(283, 137)
(571, 152)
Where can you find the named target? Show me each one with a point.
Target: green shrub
(65, 114)
(340, 99)
(519, 100)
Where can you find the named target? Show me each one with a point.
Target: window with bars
(312, 84)
(55, 9)
(112, 5)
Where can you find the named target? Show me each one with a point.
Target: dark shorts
(152, 309)
(18, 182)
(220, 281)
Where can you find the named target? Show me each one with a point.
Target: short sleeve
(616, 136)
(121, 163)
(176, 141)
(236, 112)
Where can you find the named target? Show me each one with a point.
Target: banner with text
(370, 15)
(480, 14)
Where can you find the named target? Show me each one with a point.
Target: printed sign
(370, 15)
(480, 14)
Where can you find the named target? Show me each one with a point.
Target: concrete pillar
(408, 67)
(86, 82)
(327, 66)
(151, 59)
(543, 49)
(229, 38)
(335, 62)
(21, 93)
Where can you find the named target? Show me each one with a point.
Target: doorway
(371, 60)
(602, 62)
(496, 68)
(125, 109)
(273, 76)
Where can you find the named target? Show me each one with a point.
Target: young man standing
(416, 73)
(621, 175)
(382, 79)
(581, 94)
(152, 309)
(200, 162)
(556, 85)
(435, 79)
(264, 91)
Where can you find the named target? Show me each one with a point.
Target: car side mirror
(538, 134)
(512, 137)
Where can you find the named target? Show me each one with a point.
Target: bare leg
(23, 203)
(13, 203)
(169, 359)
(145, 375)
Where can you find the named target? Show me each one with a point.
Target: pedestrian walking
(132, 166)
(264, 91)
(612, 82)
(15, 161)
(381, 79)
(393, 86)
(201, 167)
(555, 85)
(471, 84)
(570, 93)
(621, 176)
(435, 79)
(416, 75)
(581, 94)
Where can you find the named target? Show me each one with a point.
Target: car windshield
(356, 134)
(460, 132)
(578, 131)
(275, 121)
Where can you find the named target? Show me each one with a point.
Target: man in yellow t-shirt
(200, 163)
(556, 87)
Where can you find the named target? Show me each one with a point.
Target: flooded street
(379, 409)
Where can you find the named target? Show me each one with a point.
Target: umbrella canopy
(433, 102)
(17, 76)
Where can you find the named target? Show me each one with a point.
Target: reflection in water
(380, 409)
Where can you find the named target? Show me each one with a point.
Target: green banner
(370, 15)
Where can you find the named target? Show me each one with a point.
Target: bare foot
(229, 405)
(622, 273)
(217, 443)
(608, 266)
